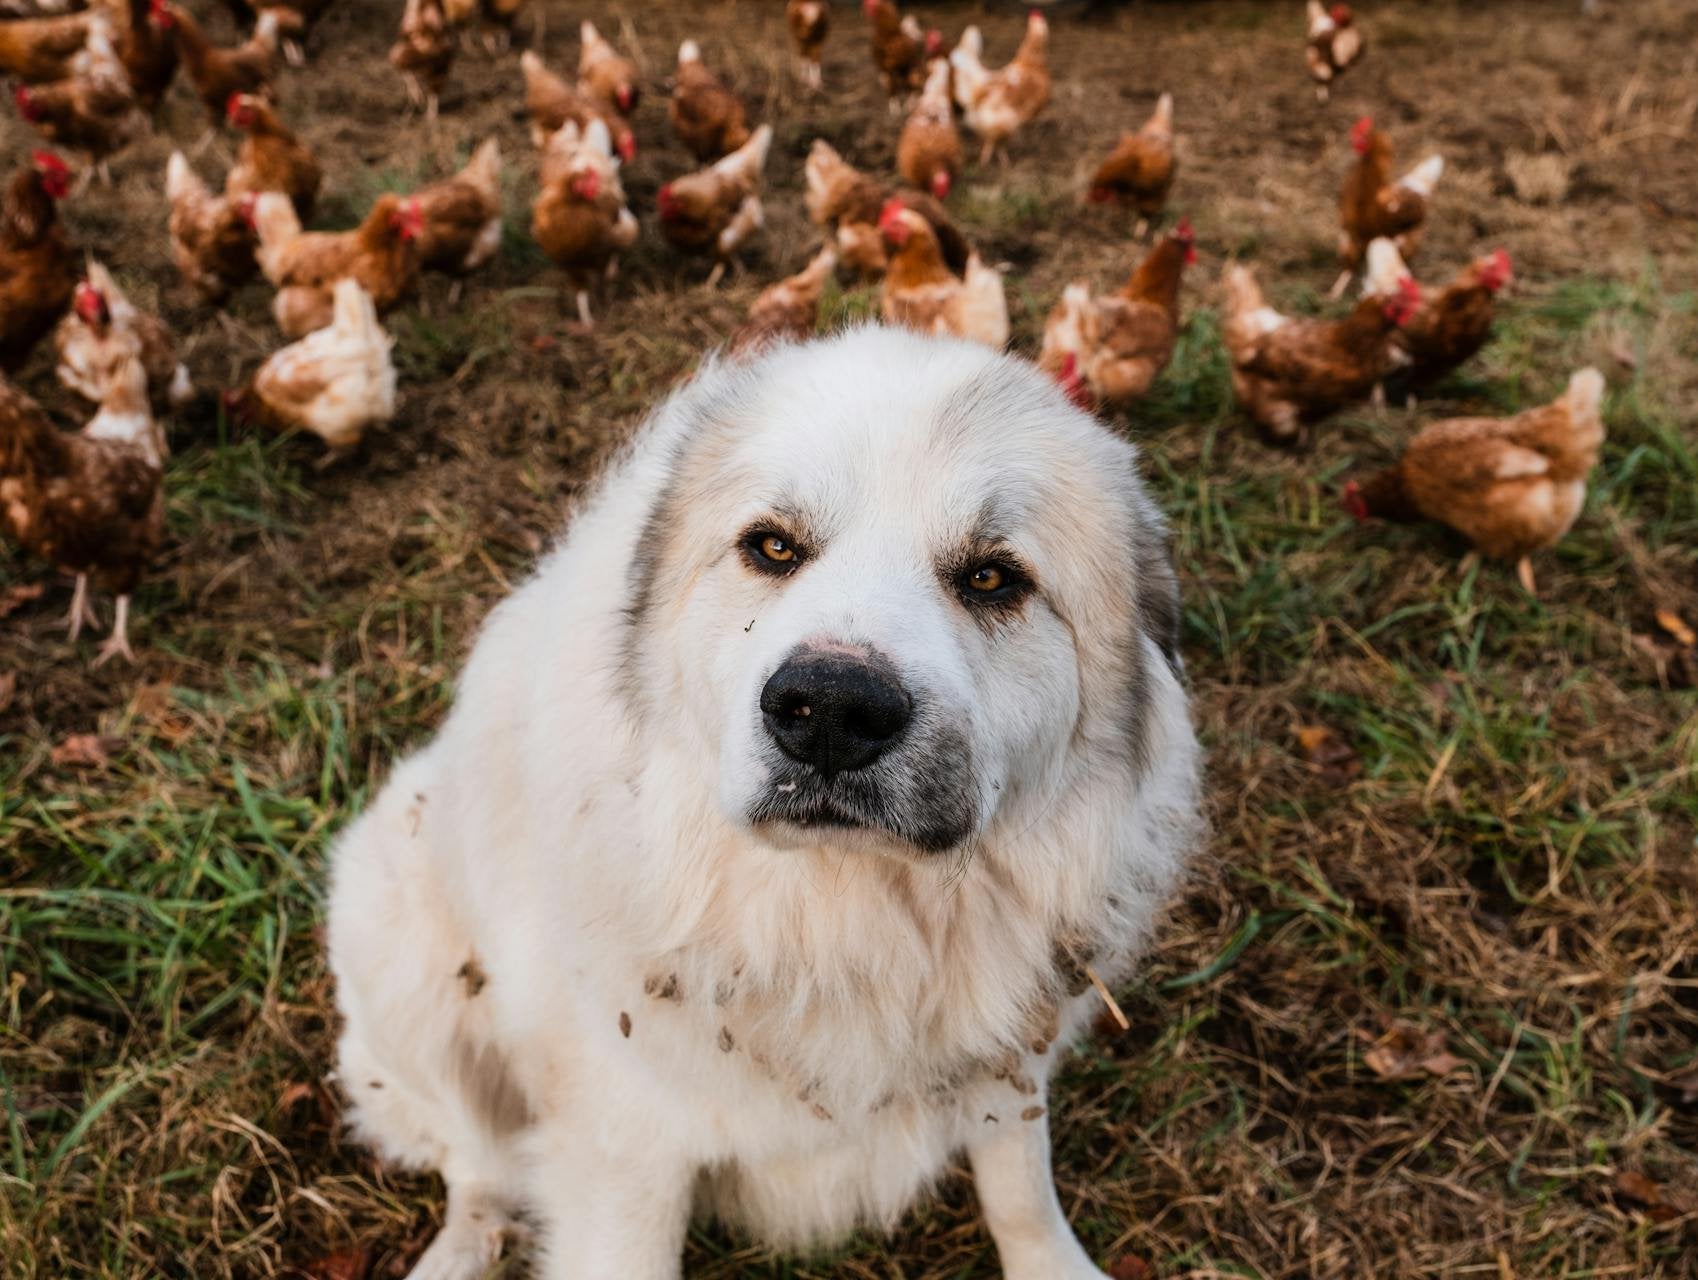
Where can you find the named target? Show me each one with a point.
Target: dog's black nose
(834, 712)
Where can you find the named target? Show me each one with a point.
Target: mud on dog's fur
(759, 866)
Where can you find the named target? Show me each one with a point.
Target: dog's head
(894, 592)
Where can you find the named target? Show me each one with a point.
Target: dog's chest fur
(900, 985)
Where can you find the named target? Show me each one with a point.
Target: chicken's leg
(118, 643)
(1141, 229)
(716, 275)
(1340, 285)
(584, 316)
(1524, 571)
(81, 610)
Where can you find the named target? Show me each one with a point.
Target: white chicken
(335, 382)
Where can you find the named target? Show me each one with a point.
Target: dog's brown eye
(771, 552)
(992, 582)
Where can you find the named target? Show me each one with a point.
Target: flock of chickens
(90, 501)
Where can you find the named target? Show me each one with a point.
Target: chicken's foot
(81, 610)
(118, 643)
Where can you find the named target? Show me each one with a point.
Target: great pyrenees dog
(783, 825)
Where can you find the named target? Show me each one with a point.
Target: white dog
(781, 822)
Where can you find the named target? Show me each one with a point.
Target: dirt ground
(1429, 1010)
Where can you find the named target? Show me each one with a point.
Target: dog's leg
(1011, 1172)
(470, 1239)
(609, 1214)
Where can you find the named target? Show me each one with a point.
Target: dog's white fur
(582, 984)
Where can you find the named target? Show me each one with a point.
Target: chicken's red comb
(46, 161)
(1182, 232)
(1353, 501)
(160, 13)
(893, 209)
(1408, 288)
(1360, 132)
(233, 105)
(21, 98)
(1341, 14)
(1496, 272)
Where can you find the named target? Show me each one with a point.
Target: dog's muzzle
(851, 748)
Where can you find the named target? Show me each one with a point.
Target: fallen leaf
(1407, 1053)
(297, 1097)
(8, 688)
(1129, 1266)
(1659, 1205)
(1333, 760)
(1675, 625)
(86, 751)
(344, 1264)
(19, 594)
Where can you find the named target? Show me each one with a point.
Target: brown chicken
(1109, 350)
(147, 46)
(38, 269)
(1451, 324)
(921, 292)
(847, 204)
(1286, 372)
(789, 308)
(900, 48)
(716, 209)
(212, 236)
(36, 50)
(551, 102)
(217, 72)
(809, 22)
(423, 53)
(706, 116)
(1139, 171)
(93, 112)
(334, 383)
(1334, 44)
(88, 502)
(1511, 486)
(381, 253)
(271, 157)
(579, 217)
(928, 154)
(103, 332)
(460, 217)
(996, 103)
(604, 74)
(1371, 205)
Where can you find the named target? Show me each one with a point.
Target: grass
(1508, 869)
